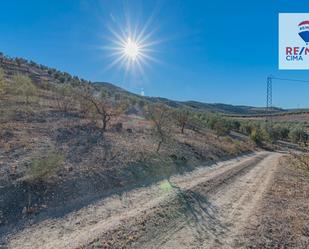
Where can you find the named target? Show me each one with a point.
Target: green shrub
(222, 127)
(299, 135)
(235, 125)
(283, 132)
(246, 128)
(257, 136)
(23, 86)
(277, 132)
(41, 168)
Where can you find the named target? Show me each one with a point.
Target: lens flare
(131, 49)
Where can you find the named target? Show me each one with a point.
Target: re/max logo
(296, 53)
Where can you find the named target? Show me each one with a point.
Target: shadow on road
(201, 214)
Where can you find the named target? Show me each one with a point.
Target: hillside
(56, 155)
(43, 74)
(195, 105)
(77, 157)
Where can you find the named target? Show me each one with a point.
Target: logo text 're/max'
(296, 53)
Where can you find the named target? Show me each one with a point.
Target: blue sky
(211, 51)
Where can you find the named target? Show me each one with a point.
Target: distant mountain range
(200, 106)
(40, 73)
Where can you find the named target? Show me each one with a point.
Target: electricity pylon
(269, 99)
(269, 95)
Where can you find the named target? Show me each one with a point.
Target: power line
(269, 94)
(285, 79)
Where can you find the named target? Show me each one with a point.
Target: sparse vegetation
(300, 161)
(183, 118)
(145, 139)
(260, 132)
(3, 84)
(299, 135)
(158, 114)
(65, 97)
(101, 107)
(44, 166)
(220, 125)
(257, 136)
(282, 219)
(23, 86)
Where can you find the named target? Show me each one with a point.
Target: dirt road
(207, 208)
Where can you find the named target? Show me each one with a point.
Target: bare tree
(183, 118)
(103, 108)
(158, 114)
(64, 98)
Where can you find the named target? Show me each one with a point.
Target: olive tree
(257, 135)
(299, 135)
(101, 107)
(182, 119)
(65, 97)
(23, 86)
(158, 114)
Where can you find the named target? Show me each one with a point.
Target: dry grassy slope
(95, 164)
(40, 73)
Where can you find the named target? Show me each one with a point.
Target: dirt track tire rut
(193, 211)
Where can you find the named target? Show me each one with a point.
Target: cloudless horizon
(209, 51)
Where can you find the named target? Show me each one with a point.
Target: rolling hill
(40, 73)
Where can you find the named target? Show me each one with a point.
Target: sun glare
(131, 49)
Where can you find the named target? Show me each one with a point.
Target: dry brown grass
(282, 220)
(94, 163)
(27, 133)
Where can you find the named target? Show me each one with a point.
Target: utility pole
(269, 95)
(269, 99)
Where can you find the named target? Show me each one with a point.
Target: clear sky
(217, 51)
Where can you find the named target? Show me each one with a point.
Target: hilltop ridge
(40, 73)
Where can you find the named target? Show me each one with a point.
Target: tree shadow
(201, 213)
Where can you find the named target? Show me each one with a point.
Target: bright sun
(131, 49)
